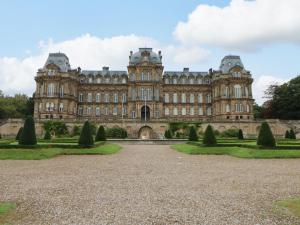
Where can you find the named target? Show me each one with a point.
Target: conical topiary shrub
(101, 135)
(193, 134)
(287, 135)
(19, 134)
(209, 138)
(240, 135)
(292, 134)
(47, 135)
(86, 137)
(168, 134)
(28, 136)
(265, 136)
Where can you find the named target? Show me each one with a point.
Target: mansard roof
(104, 72)
(60, 60)
(230, 61)
(185, 72)
(145, 55)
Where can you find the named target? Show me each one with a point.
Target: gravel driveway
(149, 184)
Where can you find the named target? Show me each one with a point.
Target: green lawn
(292, 205)
(236, 151)
(36, 154)
(6, 207)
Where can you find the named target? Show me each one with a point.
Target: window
(124, 97)
(133, 114)
(98, 97)
(199, 80)
(156, 114)
(80, 110)
(61, 91)
(61, 107)
(50, 106)
(248, 108)
(237, 91)
(106, 110)
(123, 80)
(183, 98)
(90, 80)
(246, 92)
(191, 81)
(89, 110)
(167, 111)
(237, 74)
(51, 89)
(107, 80)
(183, 81)
(133, 94)
(142, 76)
(51, 72)
(166, 98)
(238, 107)
(192, 111)
(200, 111)
(98, 80)
(132, 77)
(90, 97)
(115, 111)
(227, 108)
(208, 111)
(174, 81)
(166, 80)
(192, 98)
(115, 80)
(106, 98)
(97, 111)
(123, 110)
(115, 97)
(80, 97)
(200, 98)
(156, 94)
(175, 98)
(183, 111)
(175, 111)
(226, 92)
(208, 98)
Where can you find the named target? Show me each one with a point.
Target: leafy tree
(232, 133)
(193, 134)
(19, 133)
(287, 135)
(168, 134)
(292, 134)
(265, 136)
(209, 138)
(28, 136)
(47, 135)
(57, 127)
(101, 135)
(240, 135)
(86, 137)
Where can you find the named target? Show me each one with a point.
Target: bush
(19, 134)
(86, 137)
(116, 132)
(240, 135)
(292, 134)
(168, 134)
(265, 136)
(76, 130)
(101, 135)
(47, 135)
(230, 133)
(193, 134)
(0, 136)
(93, 128)
(287, 135)
(216, 132)
(59, 128)
(209, 138)
(28, 136)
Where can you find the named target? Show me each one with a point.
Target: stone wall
(10, 127)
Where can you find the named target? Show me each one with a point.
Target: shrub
(168, 134)
(209, 138)
(116, 132)
(230, 133)
(0, 136)
(178, 134)
(193, 134)
(287, 135)
(93, 128)
(76, 130)
(240, 135)
(292, 134)
(216, 132)
(86, 137)
(47, 135)
(101, 135)
(57, 127)
(19, 134)
(28, 136)
(265, 136)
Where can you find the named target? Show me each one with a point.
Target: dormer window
(98, 80)
(236, 74)
(90, 80)
(51, 72)
(123, 81)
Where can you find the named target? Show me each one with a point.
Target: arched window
(226, 92)
(237, 91)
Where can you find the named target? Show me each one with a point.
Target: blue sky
(269, 48)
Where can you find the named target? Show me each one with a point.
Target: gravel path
(149, 184)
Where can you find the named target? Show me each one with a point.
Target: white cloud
(89, 52)
(261, 84)
(242, 25)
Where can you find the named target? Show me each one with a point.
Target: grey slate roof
(230, 61)
(184, 73)
(103, 72)
(144, 54)
(60, 60)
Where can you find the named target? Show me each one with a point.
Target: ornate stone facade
(143, 93)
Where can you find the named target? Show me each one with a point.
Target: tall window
(200, 98)
(237, 91)
(115, 80)
(98, 80)
(183, 111)
(166, 80)
(175, 111)
(133, 114)
(174, 81)
(166, 97)
(51, 89)
(107, 80)
(80, 110)
(106, 98)
(123, 80)
(227, 108)
(90, 80)
(200, 111)
(199, 80)
(97, 111)
(183, 80)
(80, 97)
(192, 98)
(192, 111)
(50, 106)
(175, 98)
(115, 111)
(98, 97)
(246, 92)
(226, 92)
(191, 80)
(133, 94)
(238, 107)
(106, 110)
(90, 97)
(167, 111)
(61, 91)
(61, 107)
(115, 97)
(208, 111)
(183, 98)
(124, 97)
(208, 98)
(89, 110)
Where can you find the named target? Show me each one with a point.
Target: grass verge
(37, 154)
(6, 207)
(290, 205)
(236, 151)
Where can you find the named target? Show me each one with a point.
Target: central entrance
(145, 113)
(145, 133)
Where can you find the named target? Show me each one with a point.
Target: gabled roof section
(60, 60)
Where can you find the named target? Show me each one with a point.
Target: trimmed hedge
(47, 135)
(292, 134)
(168, 134)
(116, 132)
(265, 136)
(19, 134)
(86, 137)
(193, 134)
(101, 135)
(287, 135)
(28, 136)
(240, 135)
(209, 138)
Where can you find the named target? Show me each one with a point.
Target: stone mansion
(145, 92)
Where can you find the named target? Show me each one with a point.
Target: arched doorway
(145, 113)
(145, 133)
